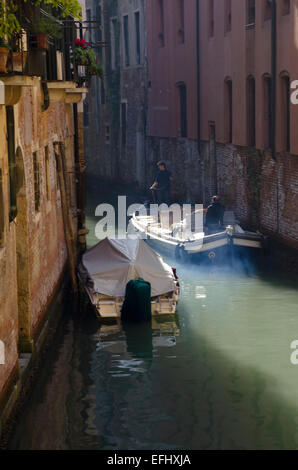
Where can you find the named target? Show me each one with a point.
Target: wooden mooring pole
(67, 219)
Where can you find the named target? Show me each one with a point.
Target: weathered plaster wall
(34, 253)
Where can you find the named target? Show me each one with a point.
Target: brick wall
(34, 253)
(182, 159)
(262, 192)
(8, 273)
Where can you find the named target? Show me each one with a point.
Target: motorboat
(107, 268)
(177, 239)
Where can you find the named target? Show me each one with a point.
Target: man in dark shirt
(214, 215)
(161, 185)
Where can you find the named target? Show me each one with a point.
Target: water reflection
(215, 376)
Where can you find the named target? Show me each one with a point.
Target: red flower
(78, 42)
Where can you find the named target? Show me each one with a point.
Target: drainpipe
(199, 93)
(198, 74)
(2, 93)
(273, 77)
(80, 173)
(273, 101)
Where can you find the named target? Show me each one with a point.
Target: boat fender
(137, 304)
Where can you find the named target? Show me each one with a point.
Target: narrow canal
(217, 376)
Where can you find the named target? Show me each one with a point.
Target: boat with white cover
(107, 267)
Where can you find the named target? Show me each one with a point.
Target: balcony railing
(49, 55)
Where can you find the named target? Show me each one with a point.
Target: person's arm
(155, 184)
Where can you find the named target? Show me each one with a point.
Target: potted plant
(81, 52)
(10, 22)
(43, 27)
(84, 55)
(95, 69)
(18, 56)
(4, 52)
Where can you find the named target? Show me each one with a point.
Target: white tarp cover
(111, 264)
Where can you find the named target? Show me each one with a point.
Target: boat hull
(222, 247)
(110, 307)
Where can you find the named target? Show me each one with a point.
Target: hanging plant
(84, 55)
(4, 51)
(9, 9)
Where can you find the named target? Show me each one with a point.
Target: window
(123, 123)
(10, 122)
(97, 111)
(103, 92)
(211, 18)
(251, 12)
(251, 111)
(107, 134)
(138, 38)
(183, 109)
(180, 21)
(88, 31)
(267, 10)
(36, 181)
(86, 114)
(161, 37)
(268, 138)
(126, 40)
(229, 108)
(98, 25)
(286, 7)
(285, 112)
(228, 15)
(48, 174)
(2, 217)
(113, 26)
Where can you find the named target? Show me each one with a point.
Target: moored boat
(107, 268)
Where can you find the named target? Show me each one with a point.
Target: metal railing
(51, 55)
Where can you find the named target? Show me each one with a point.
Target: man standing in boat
(214, 215)
(161, 185)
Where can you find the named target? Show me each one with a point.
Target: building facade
(220, 74)
(204, 85)
(172, 129)
(245, 104)
(41, 162)
(119, 101)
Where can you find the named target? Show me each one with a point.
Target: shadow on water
(217, 376)
(108, 387)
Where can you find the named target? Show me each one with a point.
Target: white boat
(182, 243)
(107, 267)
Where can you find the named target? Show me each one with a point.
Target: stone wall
(182, 159)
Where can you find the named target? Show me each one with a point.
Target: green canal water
(217, 376)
